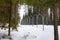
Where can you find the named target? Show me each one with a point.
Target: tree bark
(55, 22)
(9, 18)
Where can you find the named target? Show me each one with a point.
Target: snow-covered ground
(33, 32)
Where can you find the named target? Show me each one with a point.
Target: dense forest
(9, 13)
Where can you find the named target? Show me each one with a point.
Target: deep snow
(33, 32)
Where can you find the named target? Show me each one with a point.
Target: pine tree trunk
(59, 14)
(55, 22)
(9, 18)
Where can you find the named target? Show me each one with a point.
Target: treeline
(36, 17)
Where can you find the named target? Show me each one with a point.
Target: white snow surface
(33, 32)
